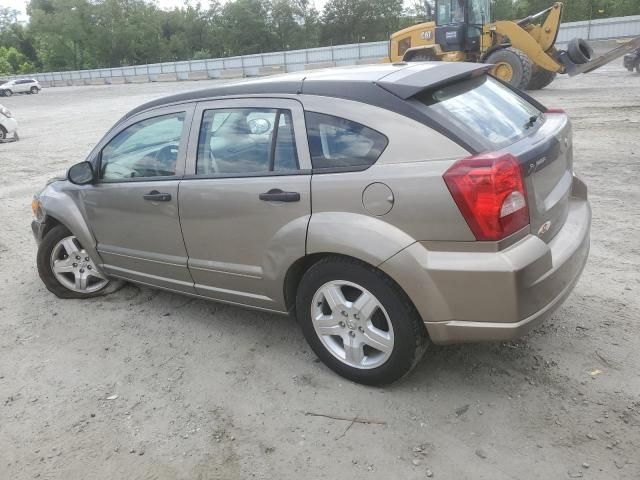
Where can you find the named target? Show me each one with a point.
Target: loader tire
(511, 66)
(540, 78)
(579, 51)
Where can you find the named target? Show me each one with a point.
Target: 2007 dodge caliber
(384, 206)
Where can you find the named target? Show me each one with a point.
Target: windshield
(486, 108)
(450, 11)
(479, 12)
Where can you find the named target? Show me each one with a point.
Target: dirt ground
(144, 384)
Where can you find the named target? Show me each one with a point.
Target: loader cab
(459, 24)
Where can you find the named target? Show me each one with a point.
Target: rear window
(485, 108)
(340, 143)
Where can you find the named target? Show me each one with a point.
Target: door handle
(156, 196)
(277, 195)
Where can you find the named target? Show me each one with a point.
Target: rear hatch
(546, 159)
(495, 118)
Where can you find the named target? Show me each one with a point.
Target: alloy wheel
(352, 324)
(74, 269)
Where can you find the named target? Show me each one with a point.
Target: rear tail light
(489, 191)
(554, 110)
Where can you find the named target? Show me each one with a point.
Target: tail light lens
(489, 191)
(555, 110)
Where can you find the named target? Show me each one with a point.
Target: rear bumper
(471, 296)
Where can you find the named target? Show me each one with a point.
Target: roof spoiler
(417, 77)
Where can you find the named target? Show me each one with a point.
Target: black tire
(45, 248)
(520, 64)
(638, 68)
(7, 93)
(33, 90)
(579, 51)
(3, 133)
(410, 336)
(540, 78)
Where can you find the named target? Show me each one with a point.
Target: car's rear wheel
(34, 90)
(3, 133)
(359, 322)
(66, 268)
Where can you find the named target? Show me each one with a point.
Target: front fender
(60, 202)
(366, 238)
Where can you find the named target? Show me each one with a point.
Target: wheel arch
(61, 209)
(49, 223)
(523, 41)
(297, 270)
(431, 50)
(368, 239)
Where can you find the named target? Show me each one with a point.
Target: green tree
(246, 29)
(351, 21)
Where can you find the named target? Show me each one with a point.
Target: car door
(22, 86)
(245, 203)
(132, 208)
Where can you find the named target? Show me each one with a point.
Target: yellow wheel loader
(523, 52)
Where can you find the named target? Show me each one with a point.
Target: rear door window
(246, 141)
(482, 106)
(339, 143)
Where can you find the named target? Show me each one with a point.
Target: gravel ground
(150, 385)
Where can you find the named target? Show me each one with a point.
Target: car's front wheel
(66, 268)
(7, 93)
(34, 90)
(359, 322)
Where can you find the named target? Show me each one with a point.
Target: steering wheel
(166, 157)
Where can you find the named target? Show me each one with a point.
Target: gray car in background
(385, 207)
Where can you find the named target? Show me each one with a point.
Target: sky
(20, 5)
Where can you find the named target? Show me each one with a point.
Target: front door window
(148, 148)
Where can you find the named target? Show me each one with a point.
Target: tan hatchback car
(384, 206)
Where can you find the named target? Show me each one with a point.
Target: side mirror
(81, 173)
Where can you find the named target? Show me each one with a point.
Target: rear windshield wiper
(532, 121)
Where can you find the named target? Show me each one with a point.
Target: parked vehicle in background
(444, 208)
(25, 85)
(632, 61)
(8, 125)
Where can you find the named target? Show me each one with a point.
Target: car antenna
(299, 92)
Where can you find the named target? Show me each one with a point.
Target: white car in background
(25, 85)
(8, 125)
